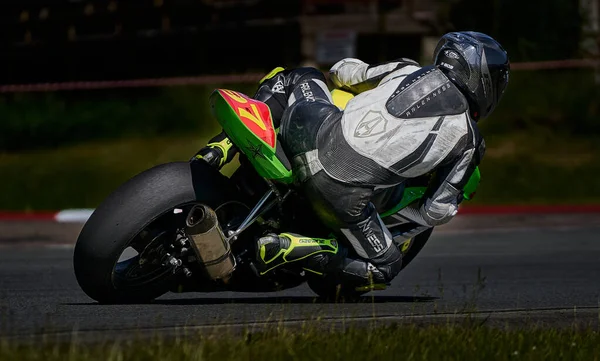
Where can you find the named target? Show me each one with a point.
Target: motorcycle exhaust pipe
(209, 243)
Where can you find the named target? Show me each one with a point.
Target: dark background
(70, 148)
(54, 40)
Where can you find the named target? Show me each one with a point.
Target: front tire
(416, 245)
(130, 209)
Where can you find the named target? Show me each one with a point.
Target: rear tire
(130, 209)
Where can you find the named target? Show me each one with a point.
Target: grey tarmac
(503, 270)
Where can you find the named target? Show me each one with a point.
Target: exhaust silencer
(209, 243)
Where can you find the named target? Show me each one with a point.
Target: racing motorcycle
(186, 227)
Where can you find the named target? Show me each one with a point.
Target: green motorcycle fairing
(249, 124)
(412, 194)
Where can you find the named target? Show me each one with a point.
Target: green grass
(395, 342)
(83, 175)
(540, 167)
(42, 120)
(519, 168)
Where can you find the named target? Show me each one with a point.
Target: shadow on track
(291, 299)
(273, 300)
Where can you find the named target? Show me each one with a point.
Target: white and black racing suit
(406, 121)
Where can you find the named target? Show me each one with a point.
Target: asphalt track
(545, 271)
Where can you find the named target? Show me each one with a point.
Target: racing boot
(218, 152)
(273, 250)
(323, 258)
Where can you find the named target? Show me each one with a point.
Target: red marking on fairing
(255, 114)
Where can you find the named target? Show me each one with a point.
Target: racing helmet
(478, 65)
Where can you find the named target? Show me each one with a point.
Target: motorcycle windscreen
(248, 123)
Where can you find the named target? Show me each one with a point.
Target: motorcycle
(186, 227)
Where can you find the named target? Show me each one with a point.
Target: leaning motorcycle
(185, 227)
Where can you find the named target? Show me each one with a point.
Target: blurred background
(93, 92)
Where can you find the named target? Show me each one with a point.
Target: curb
(82, 215)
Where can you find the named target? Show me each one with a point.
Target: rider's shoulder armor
(426, 93)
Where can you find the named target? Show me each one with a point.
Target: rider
(406, 121)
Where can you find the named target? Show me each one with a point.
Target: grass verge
(517, 169)
(540, 166)
(83, 175)
(394, 342)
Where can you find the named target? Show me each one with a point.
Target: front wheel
(412, 247)
(141, 216)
